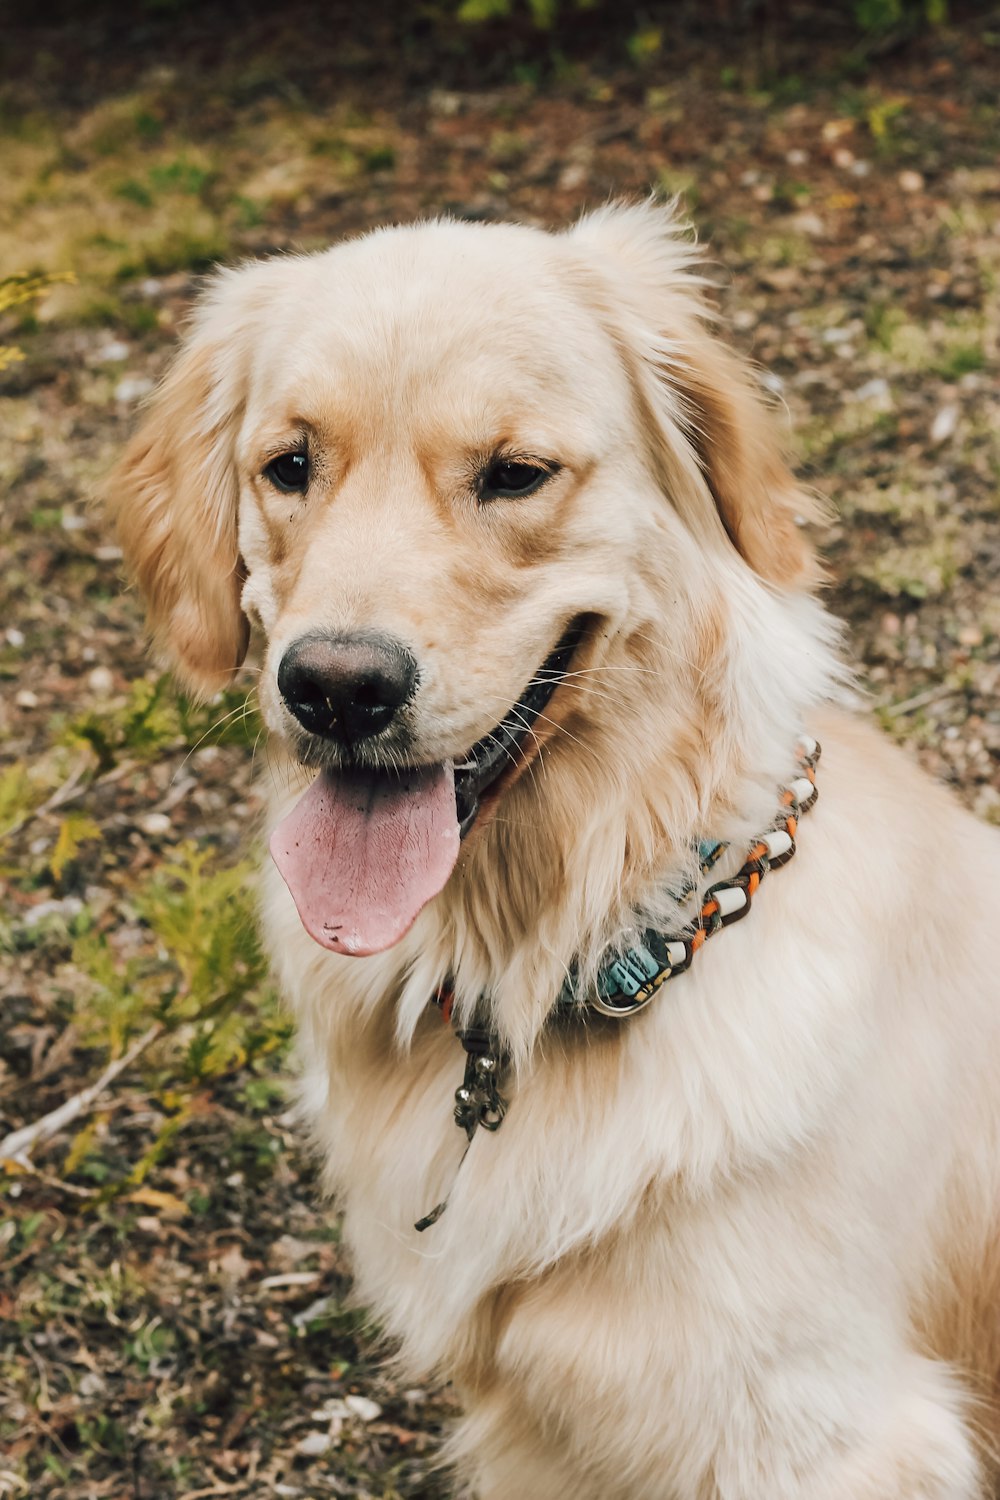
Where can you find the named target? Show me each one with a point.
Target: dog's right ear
(174, 497)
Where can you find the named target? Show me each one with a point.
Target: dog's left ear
(694, 390)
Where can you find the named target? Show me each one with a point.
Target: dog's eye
(507, 478)
(289, 472)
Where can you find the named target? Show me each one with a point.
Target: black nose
(346, 687)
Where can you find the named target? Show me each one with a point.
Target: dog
(546, 679)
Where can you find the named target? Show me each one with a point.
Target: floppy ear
(695, 389)
(174, 498)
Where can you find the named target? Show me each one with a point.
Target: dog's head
(447, 471)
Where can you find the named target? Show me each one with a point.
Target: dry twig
(16, 1146)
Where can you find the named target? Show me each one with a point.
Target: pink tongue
(363, 853)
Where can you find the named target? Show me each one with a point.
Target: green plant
(24, 287)
(154, 718)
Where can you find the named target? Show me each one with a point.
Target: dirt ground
(174, 1310)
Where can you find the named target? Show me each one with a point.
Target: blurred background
(174, 1317)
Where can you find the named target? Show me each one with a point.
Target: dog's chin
(375, 838)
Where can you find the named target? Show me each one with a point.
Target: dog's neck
(595, 843)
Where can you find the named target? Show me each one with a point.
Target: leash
(631, 978)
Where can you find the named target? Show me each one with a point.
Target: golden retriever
(534, 602)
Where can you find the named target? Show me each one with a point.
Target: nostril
(346, 688)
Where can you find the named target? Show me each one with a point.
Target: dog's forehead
(475, 314)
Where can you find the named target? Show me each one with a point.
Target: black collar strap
(630, 977)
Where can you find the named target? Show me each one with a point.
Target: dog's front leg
(742, 1363)
(916, 1445)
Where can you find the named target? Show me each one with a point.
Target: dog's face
(442, 469)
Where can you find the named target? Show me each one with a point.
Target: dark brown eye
(289, 472)
(508, 478)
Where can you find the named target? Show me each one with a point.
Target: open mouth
(498, 753)
(364, 850)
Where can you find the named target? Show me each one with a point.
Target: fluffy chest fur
(697, 1199)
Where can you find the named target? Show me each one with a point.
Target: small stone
(314, 1445)
(26, 699)
(333, 1410)
(362, 1408)
(68, 908)
(873, 390)
(808, 223)
(133, 388)
(444, 102)
(288, 1252)
(860, 168)
(70, 521)
(573, 177)
(15, 637)
(796, 157)
(944, 424)
(154, 825)
(843, 158)
(101, 681)
(970, 635)
(910, 182)
(113, 352)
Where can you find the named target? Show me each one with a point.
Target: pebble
(362, 1408)
(101, 681)
(68, 907)
(910, 182)
(15, 637)
(573, 177)
(314, 1444)
(133, 388)
(113, 352)
(808, 223)
(944, 424)
(26, 699)
(872, 390)
(333, 1410)
(154, 824)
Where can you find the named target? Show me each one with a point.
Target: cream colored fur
(743, 1247)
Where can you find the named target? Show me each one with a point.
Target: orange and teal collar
(632, 976)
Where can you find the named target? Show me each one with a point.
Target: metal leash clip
(478, 1100)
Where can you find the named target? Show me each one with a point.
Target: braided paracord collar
(630, 979)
